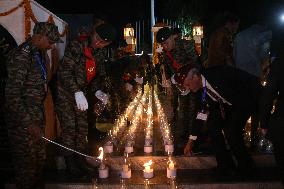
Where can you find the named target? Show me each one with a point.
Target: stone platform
(193, 173)
(194, 162)
(186, 179)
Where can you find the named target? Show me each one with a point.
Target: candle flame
(149, 163)
(101, 156)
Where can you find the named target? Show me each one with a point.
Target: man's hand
(166, 83)
(128, 87)
(102, 96)
(81, 101)
(188, 148)
(139, 80)
(35, 131)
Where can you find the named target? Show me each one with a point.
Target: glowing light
(282, 17)
(171, 165)
(101, 156)
(147, 166)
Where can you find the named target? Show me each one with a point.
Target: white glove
(102, 96)
(139, 80)
(173, 79)
(81, 101)
(128, 87)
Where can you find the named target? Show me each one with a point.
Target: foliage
(186, 23)
(185, 12)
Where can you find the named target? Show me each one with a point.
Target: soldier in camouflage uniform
(81, 69)
(25, 92)
(178, 52)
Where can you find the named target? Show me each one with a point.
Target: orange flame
(101, 156)
(149, 163)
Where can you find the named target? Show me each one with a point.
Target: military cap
(183, 71)
(163, 34)
(106, 31)
(48, 29)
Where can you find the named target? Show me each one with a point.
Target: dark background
(205, 11)
(124, 11)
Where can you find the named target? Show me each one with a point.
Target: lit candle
(171, 165)
(103, 169)
(129, 149)
(129, 145)
(148, 146)
(126, 171)
(124, 168)
(148, 149)
(171, 169)
(169, 148)
(148, 172)
(108, 148)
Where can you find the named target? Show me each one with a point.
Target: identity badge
(202, 116)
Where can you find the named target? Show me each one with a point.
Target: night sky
(121, 12)
(129, 10)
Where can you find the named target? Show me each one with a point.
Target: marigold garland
(11, 10)
(64, 33)
(29, 15)
(50, 19)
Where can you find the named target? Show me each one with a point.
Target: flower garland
(11, 10)
(29, 15)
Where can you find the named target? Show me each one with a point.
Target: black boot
(71, 166)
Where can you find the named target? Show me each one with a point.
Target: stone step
(194, 162)
(264, 178)
(192, 173)
(260, 185)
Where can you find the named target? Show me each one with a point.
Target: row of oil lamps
(135, 112)
(125, 172)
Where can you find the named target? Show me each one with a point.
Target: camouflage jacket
(26, 84)
(72, 75)
(183, 53)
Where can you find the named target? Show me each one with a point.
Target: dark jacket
(236, 86)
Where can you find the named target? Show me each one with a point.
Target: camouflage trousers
(74, 127)
(28, 158)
